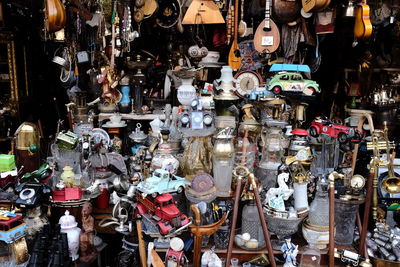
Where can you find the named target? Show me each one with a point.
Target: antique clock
(247, 81)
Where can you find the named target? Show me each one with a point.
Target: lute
(267, 37)
(285, 11)
(55, 15)
(234, 54)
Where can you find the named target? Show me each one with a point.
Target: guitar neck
(236, 22)
(267, 25)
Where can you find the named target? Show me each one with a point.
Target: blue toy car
(162, 181)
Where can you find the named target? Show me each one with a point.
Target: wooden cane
(142, 249)
(366, 117)
(331, 221)
(358, 220)
(199, 231)
(262, 220)
(368, 200)
(234, 219)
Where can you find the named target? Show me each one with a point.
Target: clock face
(302, 155)
(247, 81)
(357, 182)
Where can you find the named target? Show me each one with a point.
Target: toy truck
(162, 212)
(162, 181)
(12, 229)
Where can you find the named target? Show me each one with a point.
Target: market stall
(204, 133)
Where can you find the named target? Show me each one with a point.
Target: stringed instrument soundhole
(267, 29)
(237, 53)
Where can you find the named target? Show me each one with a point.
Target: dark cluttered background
(48, 95)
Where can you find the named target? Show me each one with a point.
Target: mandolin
(55, 15)
(267, 37)
(362, 26)
(284, 11)
(314, 5)
(234, 54)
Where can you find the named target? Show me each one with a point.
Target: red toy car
(343, 133)
(163, 210)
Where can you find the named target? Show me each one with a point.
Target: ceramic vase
(186, 92)
(69, 226)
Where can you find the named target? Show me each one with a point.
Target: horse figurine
(275, 196)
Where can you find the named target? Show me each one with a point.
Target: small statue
(275, 196)
(247, 112)
(87, 248)
(290, 252)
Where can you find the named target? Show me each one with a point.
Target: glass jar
(319, 208)
(345, 219)
(251, 223)
(245, 153)
(267, 171)
(223, 156)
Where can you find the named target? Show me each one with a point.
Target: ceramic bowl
(115, 119)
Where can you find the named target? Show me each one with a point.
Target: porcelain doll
(290, 252)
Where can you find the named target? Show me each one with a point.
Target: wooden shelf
(132, 116)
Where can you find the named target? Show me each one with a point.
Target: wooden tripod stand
(242, 172)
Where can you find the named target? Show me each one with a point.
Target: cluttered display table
(188, 135)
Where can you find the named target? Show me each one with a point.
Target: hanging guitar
(362, 26)
(267, 37)
(55, 15)
(234, 54)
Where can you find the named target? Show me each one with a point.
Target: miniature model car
(162, 181)
(343, 133)
(163, 212)
(292, 82)
(12, 229)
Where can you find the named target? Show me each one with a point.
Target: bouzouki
(267, 37)
(285, 11)
(55, 15)
(362, 25)
(314, 5)
(234, 54)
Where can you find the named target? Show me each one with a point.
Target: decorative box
(67, 141)
(7, 162)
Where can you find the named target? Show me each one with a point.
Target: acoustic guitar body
(267, 40)
(234, 59)
(362, 25)
(56, 16)
(314, 5)
(284, 11)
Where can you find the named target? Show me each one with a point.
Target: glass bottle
(319, 208)
(251, 223)
(272, 154)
